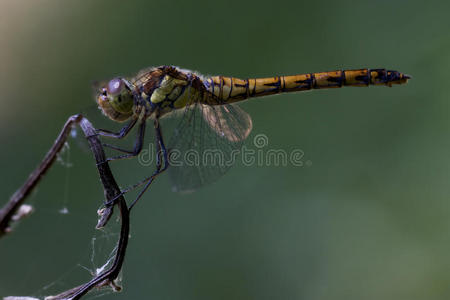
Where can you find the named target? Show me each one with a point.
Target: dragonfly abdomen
(230, 89)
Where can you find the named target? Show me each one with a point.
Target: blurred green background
(369, 219)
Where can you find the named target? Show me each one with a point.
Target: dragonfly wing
(229, 121)
(206, 143)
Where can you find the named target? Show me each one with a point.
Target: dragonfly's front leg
(139, 142)
(118, 135)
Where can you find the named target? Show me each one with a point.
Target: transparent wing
(205, 144)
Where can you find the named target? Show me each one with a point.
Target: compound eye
(115, 86)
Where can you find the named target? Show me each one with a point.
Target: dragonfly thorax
(166, 89)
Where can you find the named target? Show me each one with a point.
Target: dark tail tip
(395, 77)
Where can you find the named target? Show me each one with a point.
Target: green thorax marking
(169, 89)
(174, 93)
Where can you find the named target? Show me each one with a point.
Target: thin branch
(111, 189)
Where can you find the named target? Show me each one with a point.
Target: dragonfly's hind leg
(137, 145)
(161, 157)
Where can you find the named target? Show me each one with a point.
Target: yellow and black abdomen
(221, 90)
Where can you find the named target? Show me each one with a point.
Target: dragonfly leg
(122, 132)
(128, 189)
(162, 153)
(137, 145)
(161, 157)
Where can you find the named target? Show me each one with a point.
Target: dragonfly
(208, 113)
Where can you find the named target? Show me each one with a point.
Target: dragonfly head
(116, 100)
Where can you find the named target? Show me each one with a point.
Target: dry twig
(111, 189)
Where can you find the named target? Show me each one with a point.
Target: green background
(368, 219)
